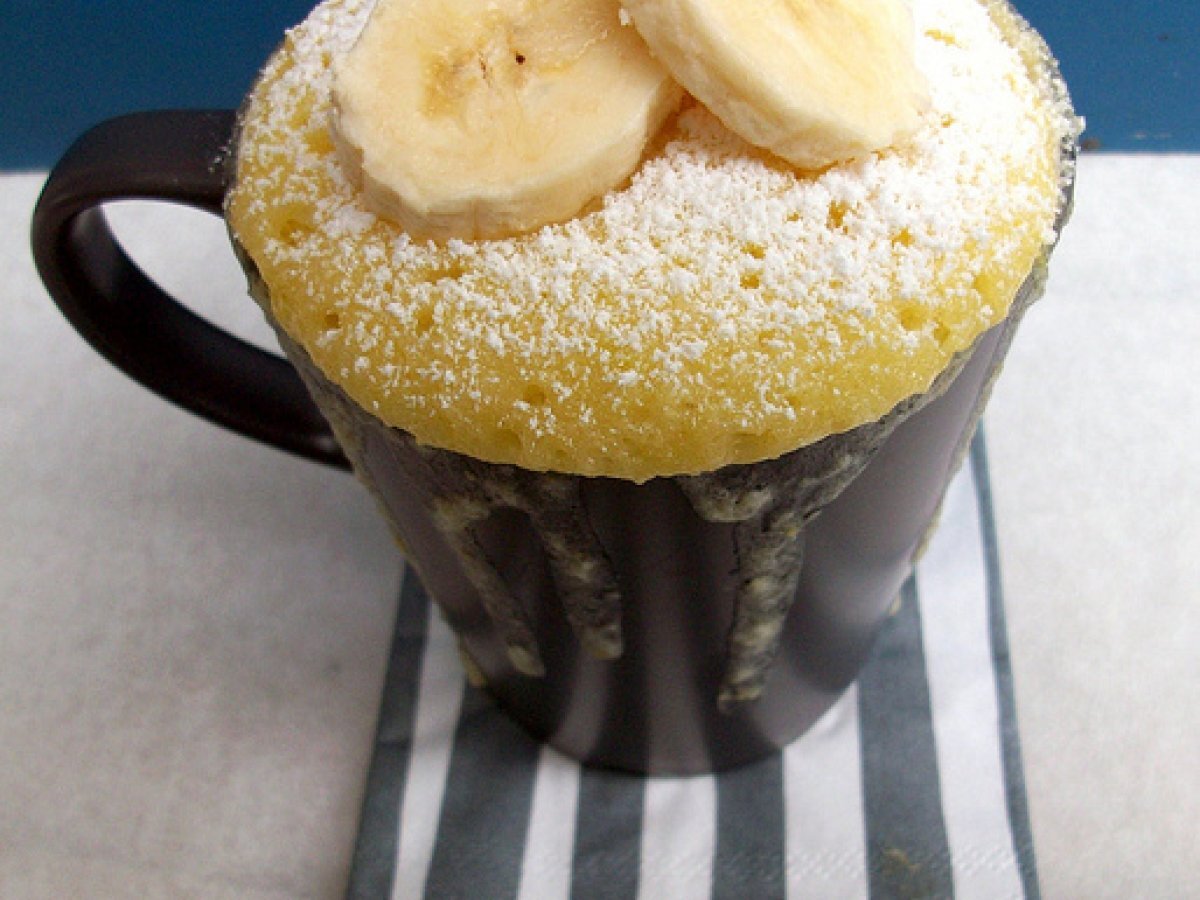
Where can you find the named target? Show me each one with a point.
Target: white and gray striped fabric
(911, 786)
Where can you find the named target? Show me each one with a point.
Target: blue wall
(66, 64)
(1133, 65)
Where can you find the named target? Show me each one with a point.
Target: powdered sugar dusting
(719, 302)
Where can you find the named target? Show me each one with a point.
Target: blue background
(1133, 65)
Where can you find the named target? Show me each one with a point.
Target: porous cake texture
(719, 308)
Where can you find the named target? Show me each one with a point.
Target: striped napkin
(911, 786)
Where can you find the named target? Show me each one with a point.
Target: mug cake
(745, 304)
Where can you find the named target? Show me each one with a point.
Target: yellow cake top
(721, 307)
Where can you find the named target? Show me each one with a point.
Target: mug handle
(178, 156)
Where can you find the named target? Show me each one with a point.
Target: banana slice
(813, 81)
(487, 118)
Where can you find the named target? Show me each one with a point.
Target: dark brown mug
(664, 686)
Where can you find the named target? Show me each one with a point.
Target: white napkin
(910, 786)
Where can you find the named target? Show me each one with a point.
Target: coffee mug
(656, 681)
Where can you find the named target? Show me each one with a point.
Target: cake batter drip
(456, 518)
(469, 491)
(769, 503)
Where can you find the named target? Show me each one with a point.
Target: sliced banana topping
(487, 118)
(813, 81)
